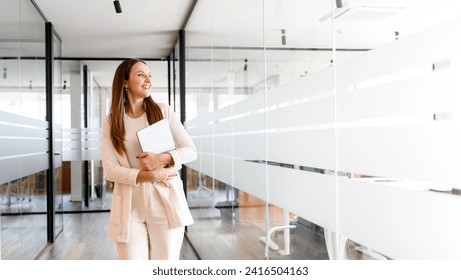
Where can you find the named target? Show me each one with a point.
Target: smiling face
(139, 82)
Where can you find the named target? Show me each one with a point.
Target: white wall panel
(398, 222)
(306, 194)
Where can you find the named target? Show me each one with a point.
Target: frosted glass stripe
(195, 131)
(223, 169)
(318, 111)
(197, 142)
(401, 56)
(309, 195)
(21, 166)
(249, 146)
(15, 147)
(307, 148)
(91, 144)
(206, 164)
(207, 144)
(250, 105)
(223, 145)
(421, 152)
(310, 87)
(81, 144)
(222, 127)
(206, 127)
(251, 178)
(253, 122)
(81, 154)
(21, 120)
(398, 222)
(194, 164)
(223, 113)
(22, 132)
(403, 98)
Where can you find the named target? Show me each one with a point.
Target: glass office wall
(24, 156)
(58, 85)
(230, 211)
(397, 108)
(325, 130)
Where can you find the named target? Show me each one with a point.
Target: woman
(144, 222)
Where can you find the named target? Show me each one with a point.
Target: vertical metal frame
(174, 78)
(182, 93)
(169, 79)
(50, 193)
(182, 75)
(86, 193)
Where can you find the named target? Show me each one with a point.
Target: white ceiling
(89, 28)
(92, 29)
(149, 28)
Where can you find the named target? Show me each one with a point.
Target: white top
(133, 149)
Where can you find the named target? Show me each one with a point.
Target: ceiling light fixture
(65, 85)
(118, 8)
(245, 67)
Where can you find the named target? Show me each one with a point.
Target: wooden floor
(85, 238)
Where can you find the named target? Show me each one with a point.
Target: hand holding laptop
(155, 140)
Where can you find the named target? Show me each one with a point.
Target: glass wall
(325, 130)
(58, 86)
(24, 136)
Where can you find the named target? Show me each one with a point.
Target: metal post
(86, 184)
(182, 93)
(50, 194)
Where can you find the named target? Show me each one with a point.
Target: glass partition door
(24, 159)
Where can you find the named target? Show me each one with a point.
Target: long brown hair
(117, 107)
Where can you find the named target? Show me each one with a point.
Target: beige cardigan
(117, 169)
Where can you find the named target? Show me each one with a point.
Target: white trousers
(150, 236)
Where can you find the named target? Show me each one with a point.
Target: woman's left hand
(149, 160)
